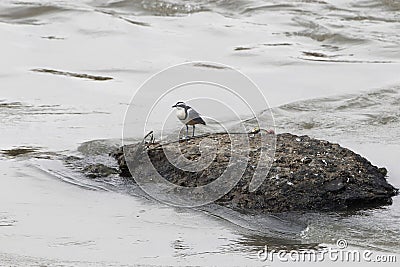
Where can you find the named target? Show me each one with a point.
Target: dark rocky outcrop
(98, 170)
(306, 174)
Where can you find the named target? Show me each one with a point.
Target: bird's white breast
(180, 113)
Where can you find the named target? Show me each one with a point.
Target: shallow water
(329, 69)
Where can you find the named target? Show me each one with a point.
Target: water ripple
(363, 116)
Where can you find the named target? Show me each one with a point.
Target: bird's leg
(187, 132)
(193, 129)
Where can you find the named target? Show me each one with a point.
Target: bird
(188, 116)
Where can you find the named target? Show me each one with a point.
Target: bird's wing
(192, 114)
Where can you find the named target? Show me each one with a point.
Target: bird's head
(179, 104)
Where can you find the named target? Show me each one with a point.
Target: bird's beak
(174, 106)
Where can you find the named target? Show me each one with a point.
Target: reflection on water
(254, 243)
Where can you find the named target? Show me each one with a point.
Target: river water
(68, 69)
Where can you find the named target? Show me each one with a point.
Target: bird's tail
(199, 120)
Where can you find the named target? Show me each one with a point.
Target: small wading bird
(188, 116)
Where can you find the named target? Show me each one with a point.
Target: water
(69, 68)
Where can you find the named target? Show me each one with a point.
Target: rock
(98, 170)
(306, 160)
(306, 174)
(335, 185)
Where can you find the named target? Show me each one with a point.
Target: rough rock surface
(98, 170)
(306, 174)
